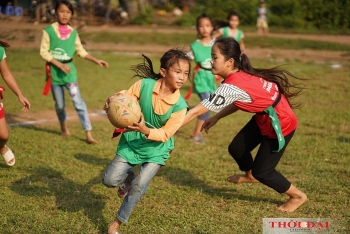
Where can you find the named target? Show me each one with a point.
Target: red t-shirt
(253, 94)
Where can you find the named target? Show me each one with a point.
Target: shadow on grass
(70, 196)
(92, 160)
(185, 178)
(45, 129)
(343, 139)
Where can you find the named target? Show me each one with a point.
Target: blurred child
(58, 45)
(149, 142)
(262, 11)
(204, 80)
(40, 11)
(7, 76)
(232, 30)
(111, 6)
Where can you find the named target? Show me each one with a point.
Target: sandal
(8, 156)
(123, 190)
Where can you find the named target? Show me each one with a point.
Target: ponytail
(4, 44)
(145, 69)
(275, 75)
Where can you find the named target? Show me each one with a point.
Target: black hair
(145, 69)
(65, 2)
(202, 16)
(232, 13)
(4, 44)
(230, 48)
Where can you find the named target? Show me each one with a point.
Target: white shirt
(225, 95)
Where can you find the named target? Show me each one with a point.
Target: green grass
(295, 30)
(293, 44)
(180, 39)
(55, 186)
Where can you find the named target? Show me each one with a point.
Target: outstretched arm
(226, 111)
(82, 53)
(12, 84)
(99, 62)
(213, 120)
(194, 113)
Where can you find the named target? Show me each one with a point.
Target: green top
(134, 147)
(226, 33)
(2, 53)
(204, 81)
(62, 50)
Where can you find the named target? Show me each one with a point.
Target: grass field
(172, 39)
(55, 186)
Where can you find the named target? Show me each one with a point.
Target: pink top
(64, 31)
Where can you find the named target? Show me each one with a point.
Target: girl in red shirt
(266, 92)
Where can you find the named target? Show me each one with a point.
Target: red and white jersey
(253, 94)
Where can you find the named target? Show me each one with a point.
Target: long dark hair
(65, 2)
(4, 44)
(230, 48)
(202, 16)
(145, 69)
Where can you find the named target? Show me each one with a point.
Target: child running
(232, 30)
(267, 93)
(58, 45)
(204, 80)
(149, 142)
(6, 74)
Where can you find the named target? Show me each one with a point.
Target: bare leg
(64, 129)
(243, 178)
(198, 127)
(90, 139)
(265, 31)
(4, 136)
(297, 198)
(114, 227)
(260, 31)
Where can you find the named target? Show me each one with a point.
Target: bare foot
(91, 141)
(65, 133)
(114, 227)
(293, 203)
(64, 129)
(242, 178)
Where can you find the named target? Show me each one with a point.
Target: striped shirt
(225, 95)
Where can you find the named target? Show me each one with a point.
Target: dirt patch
(26, 35)
(49, 117)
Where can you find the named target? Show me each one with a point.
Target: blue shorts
(204, 96)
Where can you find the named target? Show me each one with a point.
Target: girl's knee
(59, 107)
(234, 150)
(113, 179)
(109, 182)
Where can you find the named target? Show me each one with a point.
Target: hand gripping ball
(123, 111)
